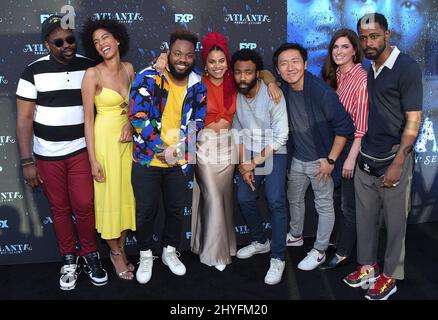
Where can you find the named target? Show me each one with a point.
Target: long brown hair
(329, 68)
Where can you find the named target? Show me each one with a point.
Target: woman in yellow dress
(108, 134)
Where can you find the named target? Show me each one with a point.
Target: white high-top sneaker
(144, 271)
(69, 272)
(170, 259)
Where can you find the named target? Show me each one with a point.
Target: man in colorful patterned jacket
(166, 112)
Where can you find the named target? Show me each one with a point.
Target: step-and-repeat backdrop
(26, 231)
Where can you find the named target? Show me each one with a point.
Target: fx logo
(248, 45)
(4, 224)
(183, 17)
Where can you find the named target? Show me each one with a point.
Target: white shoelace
(68, 272)
(173, 258)
(146, 263)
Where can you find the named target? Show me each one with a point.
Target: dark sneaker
(334, 262)
(69, 272)
(93, 268)
(382, 288)
(362, 276)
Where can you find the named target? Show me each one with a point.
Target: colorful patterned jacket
(148, 98)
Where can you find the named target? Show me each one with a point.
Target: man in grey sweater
(262, 130)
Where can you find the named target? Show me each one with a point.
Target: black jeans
(149, 184)
(347, 223)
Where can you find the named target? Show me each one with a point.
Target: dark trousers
(150, 184)
(396, 202)
(346, 236)
(68, 185)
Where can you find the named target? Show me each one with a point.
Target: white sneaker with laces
(252, 249)
(170, 259)
(312, 260)
(292, 241)
(69, 272)
(275, 272)
(68, 279)
(144, 271)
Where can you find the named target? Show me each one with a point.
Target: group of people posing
(141, 137)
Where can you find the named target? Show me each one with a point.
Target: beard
(180, 75)
(250, 85)
(377, 54)
(63, 59)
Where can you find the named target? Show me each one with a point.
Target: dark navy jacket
(327, 119)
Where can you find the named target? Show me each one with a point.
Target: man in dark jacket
(319, 128)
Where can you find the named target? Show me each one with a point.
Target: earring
(206, 71)
(118, 43)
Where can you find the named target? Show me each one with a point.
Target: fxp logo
(183, 17)
(4, 224)
(44, 16)
(3, 80)
(248, 45)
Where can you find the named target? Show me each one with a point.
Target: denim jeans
(275, 185)
(300, 176)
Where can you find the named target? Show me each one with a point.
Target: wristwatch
(330, 161)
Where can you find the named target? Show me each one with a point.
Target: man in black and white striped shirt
(49, 109)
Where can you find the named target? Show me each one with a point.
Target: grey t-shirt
(304, 146)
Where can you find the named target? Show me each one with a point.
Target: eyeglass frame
(69, 39)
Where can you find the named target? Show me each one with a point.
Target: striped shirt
(353, 93)
(59, 115)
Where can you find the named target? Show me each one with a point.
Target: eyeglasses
(60, 42)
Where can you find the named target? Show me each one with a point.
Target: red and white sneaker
(382, 288)
(292, 241)
(362, 276)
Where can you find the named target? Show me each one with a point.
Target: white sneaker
(291, 241)
(144, 271)
(220, 267)
(170, 259)
(312, 260)
(252, 249)
(275, 272)
(69, 272)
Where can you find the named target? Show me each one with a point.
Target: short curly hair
(118, 31)
(247, 55)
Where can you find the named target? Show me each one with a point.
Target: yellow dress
(113, 199)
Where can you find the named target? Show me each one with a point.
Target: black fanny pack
(374, 166)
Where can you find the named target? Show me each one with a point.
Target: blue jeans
(275, 192)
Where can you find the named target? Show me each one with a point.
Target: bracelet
(27, 161)
(27, 164)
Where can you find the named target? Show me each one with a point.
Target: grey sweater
(260, 122)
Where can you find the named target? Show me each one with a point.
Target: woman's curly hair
(118, 31)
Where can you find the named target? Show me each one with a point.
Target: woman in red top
(343, 71)
(213, 232)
